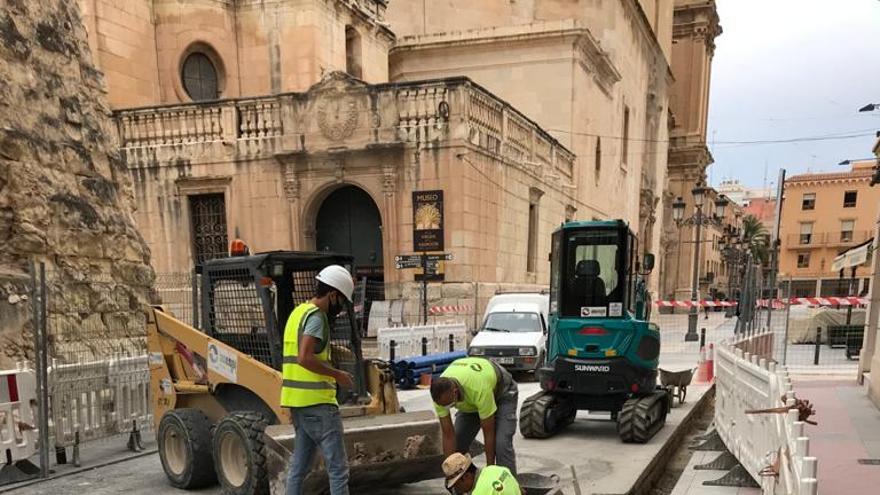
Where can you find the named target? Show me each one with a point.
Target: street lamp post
(698, 220)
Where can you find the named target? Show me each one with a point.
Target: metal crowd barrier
(770, 445)
(99, 399)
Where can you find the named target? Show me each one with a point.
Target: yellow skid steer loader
(216, 389)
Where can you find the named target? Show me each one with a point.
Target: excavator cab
(602, 353)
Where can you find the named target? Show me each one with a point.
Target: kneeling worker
(309, 387)
(485, 395)
(462, 476)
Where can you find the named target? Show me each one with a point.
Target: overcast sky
(788, 69)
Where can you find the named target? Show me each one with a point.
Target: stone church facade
(308, 124)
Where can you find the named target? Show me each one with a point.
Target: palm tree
(757, 238)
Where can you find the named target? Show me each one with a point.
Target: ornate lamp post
(732, 246)
(698, 220)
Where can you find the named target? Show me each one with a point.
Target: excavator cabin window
(593, 276)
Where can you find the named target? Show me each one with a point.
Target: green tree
(757, 238)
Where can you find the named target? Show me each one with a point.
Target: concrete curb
(655, 468)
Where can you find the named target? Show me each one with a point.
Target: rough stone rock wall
(65, 196)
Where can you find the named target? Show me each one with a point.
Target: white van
(514, 330)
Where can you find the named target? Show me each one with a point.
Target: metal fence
(86, 347)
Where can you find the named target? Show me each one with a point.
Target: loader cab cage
(592, 270)
(246, 301)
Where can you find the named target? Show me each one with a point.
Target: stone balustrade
(421, 112)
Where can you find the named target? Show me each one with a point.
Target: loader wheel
(184, 438)
(238, 454)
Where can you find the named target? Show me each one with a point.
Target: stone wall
(65, 196)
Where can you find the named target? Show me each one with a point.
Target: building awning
(854, 256)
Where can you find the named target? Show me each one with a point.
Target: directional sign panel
(408, 258)
(440, 257)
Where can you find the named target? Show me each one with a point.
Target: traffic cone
(710, 363)
(702, 367)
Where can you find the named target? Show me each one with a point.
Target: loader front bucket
(383, 451)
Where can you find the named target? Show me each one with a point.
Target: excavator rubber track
(642, 417)
(543, 414)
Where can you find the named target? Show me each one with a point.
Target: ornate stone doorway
(348, 221)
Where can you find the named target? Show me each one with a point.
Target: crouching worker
(462, 476)
(485, 396)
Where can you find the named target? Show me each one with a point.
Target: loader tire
(239, 455)
(184, 438)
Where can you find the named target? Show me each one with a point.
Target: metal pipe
(695, 278)
(787, 320)
(195, 298)
(41, 361)
(774, 242)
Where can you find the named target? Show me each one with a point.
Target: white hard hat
(337, 277)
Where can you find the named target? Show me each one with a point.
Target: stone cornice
(698, 21)
(596, 62)
(482, 36)
(820, 181)
(689, 156)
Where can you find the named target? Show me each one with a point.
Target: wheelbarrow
(676, 382)
(539, 484)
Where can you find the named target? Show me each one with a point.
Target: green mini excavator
(602, 353)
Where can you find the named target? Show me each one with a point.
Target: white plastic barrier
(459, 332)
(746, 382)
(420, 333)
(408, 340)
(18, 397)
(99, 399)
(402, 338)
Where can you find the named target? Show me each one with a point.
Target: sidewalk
(848, 430)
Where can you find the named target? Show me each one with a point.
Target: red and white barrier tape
(777, 303)
(818, 301)
(691, 304)
(438, 310)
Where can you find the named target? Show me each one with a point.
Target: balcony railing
(826, 239)
(425, 111)
(800, 241)
(850, 238)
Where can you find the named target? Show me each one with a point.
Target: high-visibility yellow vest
(301, 387)
(496, 480)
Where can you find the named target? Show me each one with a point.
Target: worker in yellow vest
(309, 386)
(462, 476)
